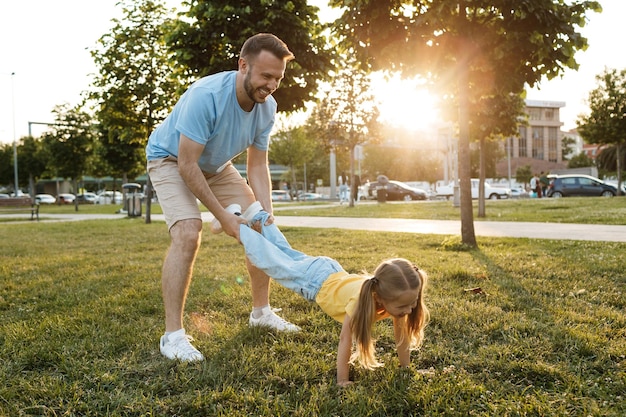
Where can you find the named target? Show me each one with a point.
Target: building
(539, 142)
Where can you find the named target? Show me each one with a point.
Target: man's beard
(250, 90)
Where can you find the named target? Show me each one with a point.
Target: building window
(549, 114)
(522, 150)
(552, 144)
(534, 113)
(538, 142)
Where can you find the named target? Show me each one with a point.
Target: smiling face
(259, 77)
(402, 305)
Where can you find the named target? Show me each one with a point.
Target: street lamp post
(14, 135)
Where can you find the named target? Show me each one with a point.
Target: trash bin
(133, 201)
(381, 193)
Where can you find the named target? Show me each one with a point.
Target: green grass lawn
(587, 210)
(82, 314)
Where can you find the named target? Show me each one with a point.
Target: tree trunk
(294, 185)
(468, 236)
(352, 182)
(75, 184)
(481, 181)
(618, 151)
(148, 200)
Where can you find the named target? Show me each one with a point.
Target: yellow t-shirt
(339, 295)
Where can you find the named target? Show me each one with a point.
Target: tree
(523, 174)
(464, 46)
(68, 145)
(6, 163)
(135, 87)
(606, 160)
(292, 148)
(606, 124)
(348, 115)
(32, 161)
(208, 38)
(567, 147)
(582, 160)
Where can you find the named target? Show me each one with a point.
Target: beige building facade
(539, 142)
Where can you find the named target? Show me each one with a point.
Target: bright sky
(46, 45)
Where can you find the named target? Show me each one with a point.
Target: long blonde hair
(391, 278)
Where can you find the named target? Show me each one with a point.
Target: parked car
(87, 198)
(4, 195)
(397, 191)
(579, 185)
(66, 198)
(280, 195)
(45, 199)
(310, 196)
(491, 192)
(519, 192)
(109, 197)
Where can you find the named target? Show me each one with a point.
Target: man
(189, 154)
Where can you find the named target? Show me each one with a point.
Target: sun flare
(405, 103)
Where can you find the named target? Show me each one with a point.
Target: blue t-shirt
(208, 113)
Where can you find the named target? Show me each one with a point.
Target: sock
(258, 311)
(168, 334)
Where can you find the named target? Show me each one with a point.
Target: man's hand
(230, 225)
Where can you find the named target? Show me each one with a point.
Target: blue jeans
(270, 252)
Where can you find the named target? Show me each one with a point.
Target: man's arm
(259, 179)
(188, 155)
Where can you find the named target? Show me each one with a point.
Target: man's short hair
(253, 46)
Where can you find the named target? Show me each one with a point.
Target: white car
(310, 196)
(519, 192)
(109, 197)
(87, 198)
(280, 195)
(491, 192)
(45, 199)
(66, 198)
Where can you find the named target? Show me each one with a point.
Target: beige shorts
(179, 203)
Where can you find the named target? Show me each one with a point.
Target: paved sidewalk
(557, 231)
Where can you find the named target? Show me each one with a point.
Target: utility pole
(16, 186)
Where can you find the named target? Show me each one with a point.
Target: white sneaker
(216, 227)
(273, 321)
(177, 346)
(252, 211)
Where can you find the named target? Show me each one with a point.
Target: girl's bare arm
(343, 354)
(402, 342)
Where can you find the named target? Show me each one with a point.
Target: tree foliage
(208, 37)
(523, 174)
(582, 160)
(606, 122)
(348, 114)
(292, 148)
(135, 88)
(567, 147)
(68, 146)
(469, 49)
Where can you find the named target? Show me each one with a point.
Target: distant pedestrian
(343, 188)
(535, 187)
(544, 183)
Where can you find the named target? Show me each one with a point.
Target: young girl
(395, 290)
